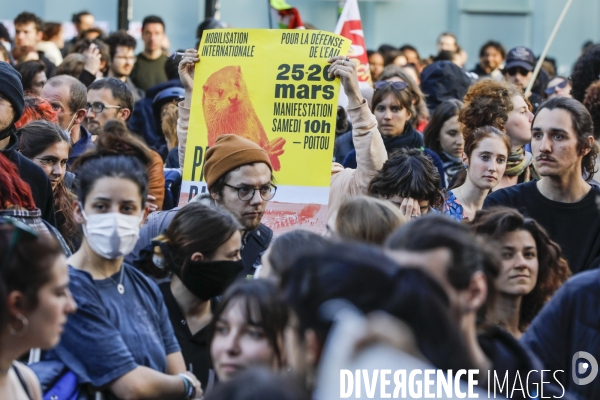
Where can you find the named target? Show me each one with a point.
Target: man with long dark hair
(563, 201)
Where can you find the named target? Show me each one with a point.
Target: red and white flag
(350, 26)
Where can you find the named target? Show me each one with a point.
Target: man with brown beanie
(238, 174)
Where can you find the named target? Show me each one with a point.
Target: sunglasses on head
(513, 71)
(396, 85)
(554, 88)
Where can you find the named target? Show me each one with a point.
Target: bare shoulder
(33, 384)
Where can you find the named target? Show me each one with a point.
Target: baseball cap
(520, 56)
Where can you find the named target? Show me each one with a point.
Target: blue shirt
(111, 333)
(453, 208)
(84, 143)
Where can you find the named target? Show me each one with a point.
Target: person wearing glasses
(559, 86)
(520, 63)
(107, 99)
(239, 178)
(35, 303)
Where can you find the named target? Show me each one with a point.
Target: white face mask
(111, 235)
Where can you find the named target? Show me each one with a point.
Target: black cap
(520, 56)
(441, 81)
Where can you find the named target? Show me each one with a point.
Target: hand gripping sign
(273, 88)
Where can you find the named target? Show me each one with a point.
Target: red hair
(35, 109)
(14, 191)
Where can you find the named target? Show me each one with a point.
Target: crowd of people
(463, 226)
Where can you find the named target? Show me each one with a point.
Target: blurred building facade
(396, 22)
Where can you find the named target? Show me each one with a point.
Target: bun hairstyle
(175, 246)
(488, 102)
(116, 138)
(118, 154)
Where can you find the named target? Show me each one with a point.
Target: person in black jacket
(239, 178)
(562, 201)
(12, 103)
(566, 327)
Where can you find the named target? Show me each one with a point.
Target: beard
(251, 224)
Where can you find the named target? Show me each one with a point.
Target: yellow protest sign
(272, 87)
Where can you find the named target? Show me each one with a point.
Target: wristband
(189, 389)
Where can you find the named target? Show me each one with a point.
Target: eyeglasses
(20, 230)
(396, 85)
(98, 107)
(513, 71)
(554, 88)
(246, 193)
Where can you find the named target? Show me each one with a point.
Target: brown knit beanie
(230, 152)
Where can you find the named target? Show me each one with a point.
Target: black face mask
(208, 279)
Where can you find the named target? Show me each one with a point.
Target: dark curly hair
(408, 173)
(488, 102)
(585, 72)
(583, 127)
(493, 223)
(592, 103)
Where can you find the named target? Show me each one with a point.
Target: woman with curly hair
(532, 266)
(585, 72)
(485, 155)
(502, 105)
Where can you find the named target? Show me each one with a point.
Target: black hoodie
(509, 358)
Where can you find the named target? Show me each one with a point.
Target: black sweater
(574, 226)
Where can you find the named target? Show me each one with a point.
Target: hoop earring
(23, 330)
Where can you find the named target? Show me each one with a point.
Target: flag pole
(538, 66)
(270, 14)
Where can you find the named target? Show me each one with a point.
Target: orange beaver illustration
(228, 109)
